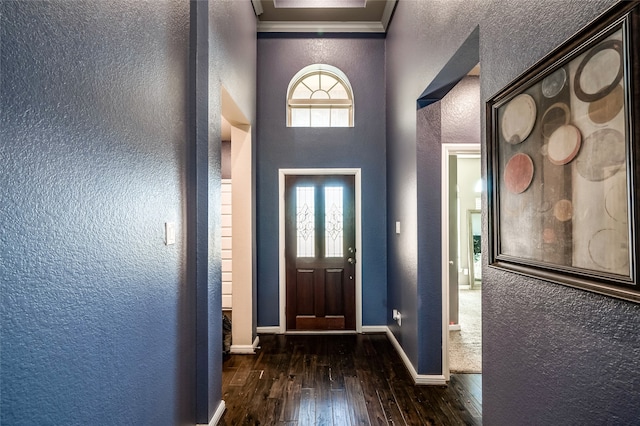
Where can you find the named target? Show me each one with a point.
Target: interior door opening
(463, 281)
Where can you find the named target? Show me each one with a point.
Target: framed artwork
(562, 149)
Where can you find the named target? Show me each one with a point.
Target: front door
(320, 252)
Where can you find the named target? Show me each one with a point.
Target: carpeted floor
(465, 345)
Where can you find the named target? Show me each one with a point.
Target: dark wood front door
(320, 252)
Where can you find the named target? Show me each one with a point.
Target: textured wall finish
(461, 112)
(551, 354)
(103, 142)
(362, 146)
(232, 65)
(97, 316)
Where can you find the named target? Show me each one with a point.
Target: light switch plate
(397, 227)
(170, 233)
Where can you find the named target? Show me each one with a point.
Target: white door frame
(447, 150)
(282, 173)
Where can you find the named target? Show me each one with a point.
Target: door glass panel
(305, 221)
(333, 221)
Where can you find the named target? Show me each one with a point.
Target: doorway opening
(332, 291)
(462, 279)
(238, 281)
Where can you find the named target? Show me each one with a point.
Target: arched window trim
(315, 69)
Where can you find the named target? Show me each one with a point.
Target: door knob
(351, 260)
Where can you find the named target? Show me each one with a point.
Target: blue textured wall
(232, 65)
(97, 316)
(362, 146)
(103, 141)
(551, 354)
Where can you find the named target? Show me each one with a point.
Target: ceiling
(283, 16)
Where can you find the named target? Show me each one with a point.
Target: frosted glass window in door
(305, 221)
(333, 221)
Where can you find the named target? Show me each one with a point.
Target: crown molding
(257, 7)
(321, 27)
(388, 12)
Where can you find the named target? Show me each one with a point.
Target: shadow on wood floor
(339, 380)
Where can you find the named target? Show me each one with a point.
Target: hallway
(339, 380)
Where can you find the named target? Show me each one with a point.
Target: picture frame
(563, 162)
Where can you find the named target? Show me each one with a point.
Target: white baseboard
(245, 349)
(364, 329)
(374, 328)
(268, 330)
(454, 327)
(418, 379)
(216, 416)
(320, 332)
(242, 350)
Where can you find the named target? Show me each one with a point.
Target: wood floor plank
(307, 414)
(356, 401)
(339, 380)
(324, 407)
(291, 406)
(341, 414)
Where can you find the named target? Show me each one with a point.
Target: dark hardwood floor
(339, 380)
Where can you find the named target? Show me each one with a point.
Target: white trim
(281, 213)
(418, 379)
(245, 349)
(448, 149)
(257, 7)
(374, 329)
(216, 416)
(386, 14)
(242, 349)
(454, 327)
(319, 332)
(268, 330)
(323, 26)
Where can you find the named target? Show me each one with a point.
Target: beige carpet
(465, 345)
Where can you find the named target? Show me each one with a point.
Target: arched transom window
(320, 96)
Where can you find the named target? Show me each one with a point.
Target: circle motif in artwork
(518, 119)
(518, 173)
(615, 202)
(555, 116)
(549, 236)
(602, 155)
(564, 144)
(609, 249)
(553, 84)
(563, 210)
(606, 108)
(599, 72)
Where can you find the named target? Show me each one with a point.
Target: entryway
(238, 281)
(463, 282)
(320, 285)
